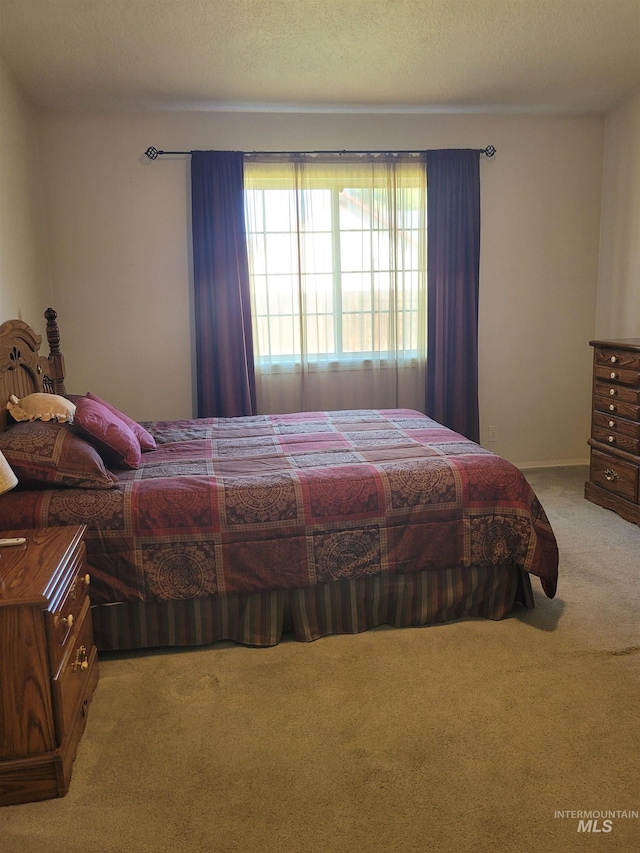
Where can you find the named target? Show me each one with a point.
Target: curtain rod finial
(152, 153)
(489, 151)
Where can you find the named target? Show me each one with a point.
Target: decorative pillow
(147, 441)
(41, 407)
(51, 453)
(111, 437)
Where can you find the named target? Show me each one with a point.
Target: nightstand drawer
(615, 475)
(70, 682)
(69, 605)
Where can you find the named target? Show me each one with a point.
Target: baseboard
(563, 463)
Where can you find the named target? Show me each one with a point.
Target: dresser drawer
(614, 374)
(616, 439)
(617, 408)
(617, 392)
(617, 358)
(611, 423)
(71, 680)
(615, 475)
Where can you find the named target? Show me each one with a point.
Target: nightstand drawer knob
(612, 424)
(614, 375)
(610, 475)
(67, 620)
(612, 408)
(613, 359)
(612, 392)
(611, 439)
(81, 662)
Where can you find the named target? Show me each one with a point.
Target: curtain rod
(153, 153)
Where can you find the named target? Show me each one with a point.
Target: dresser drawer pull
(68, 621)
(612, 408)
(610, 475)
(613, 359)
(614, 375)
(612, 439)
(612, 424)
(81, 662)
(612, 392)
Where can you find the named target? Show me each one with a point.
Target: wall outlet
(493, 433)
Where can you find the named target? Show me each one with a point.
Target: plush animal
(41, 407)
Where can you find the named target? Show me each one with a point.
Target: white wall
(119, 236)
(24, 278)
(618, 310)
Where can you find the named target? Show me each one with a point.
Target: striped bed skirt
(340, 607)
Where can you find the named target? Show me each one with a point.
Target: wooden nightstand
(48, 662)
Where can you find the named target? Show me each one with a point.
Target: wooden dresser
(48, 662)
(615, 428)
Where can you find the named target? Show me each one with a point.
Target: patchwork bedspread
(286, 501)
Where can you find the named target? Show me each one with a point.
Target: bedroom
(88, 226)
(544, 288)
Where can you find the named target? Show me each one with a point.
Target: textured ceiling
(555, 55)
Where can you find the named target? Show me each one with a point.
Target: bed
(248, 528)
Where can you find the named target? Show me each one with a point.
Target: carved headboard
(22, 369)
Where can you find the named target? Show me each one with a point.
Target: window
(337, 262)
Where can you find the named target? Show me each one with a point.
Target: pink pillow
(147, 441)
(50, 453)
(111, 437)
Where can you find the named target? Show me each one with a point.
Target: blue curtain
(222, 303)
(453, 272)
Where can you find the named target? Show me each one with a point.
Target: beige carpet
(464, 737)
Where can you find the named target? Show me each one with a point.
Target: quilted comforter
(287, 501)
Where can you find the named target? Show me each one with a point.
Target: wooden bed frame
(22, 369)
(259, 619)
